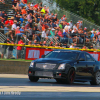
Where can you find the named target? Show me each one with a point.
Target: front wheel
(96, 79)
(70, 76)
(33, 79)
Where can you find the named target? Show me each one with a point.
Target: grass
(16, 60)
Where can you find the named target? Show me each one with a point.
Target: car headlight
(61, 66)
(31, 64)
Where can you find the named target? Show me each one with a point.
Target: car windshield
(68, 55)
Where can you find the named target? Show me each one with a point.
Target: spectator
(43, 35)
(10, 50)
(19, 48)
(18, 32)
(14, 26)
(6, 30)
(4, 47)
(98, 44)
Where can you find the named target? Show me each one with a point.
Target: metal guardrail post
(84, 39)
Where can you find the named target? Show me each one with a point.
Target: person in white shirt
(72, 45)
(43, 35)
(14, 26)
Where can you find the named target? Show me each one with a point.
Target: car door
(81, 67)
(90, 65)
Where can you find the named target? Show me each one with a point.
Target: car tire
(33, 79)
(96, 79)
(70, 76)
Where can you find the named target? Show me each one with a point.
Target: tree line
(89, 9)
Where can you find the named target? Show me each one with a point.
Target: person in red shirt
(7, 22)
(36, 5)
(19, 48)
(11, 22)
(25, 1)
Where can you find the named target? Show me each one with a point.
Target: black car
(66, 66)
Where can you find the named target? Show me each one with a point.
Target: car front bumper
(47, 73)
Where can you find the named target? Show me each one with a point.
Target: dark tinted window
(82, 55)
(62, 55)
(89, 58)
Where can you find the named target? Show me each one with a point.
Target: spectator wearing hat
(64, 18)
(67, 27)
(14, 26)
(92, 36)
(18, 32)
(85, 29)
(43, 10)
(11, 21)
(52, 33)
(61, 25)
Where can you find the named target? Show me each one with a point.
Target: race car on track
(66, 66)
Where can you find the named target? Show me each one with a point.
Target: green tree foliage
(89, 9)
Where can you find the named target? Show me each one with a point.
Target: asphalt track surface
(18, 87)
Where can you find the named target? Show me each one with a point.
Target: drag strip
(16, 87)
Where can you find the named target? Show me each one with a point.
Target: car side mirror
(43, 56)
(81, 59)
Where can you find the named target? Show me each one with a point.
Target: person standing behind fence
(19, 48)
(4, 47)
(10, 50)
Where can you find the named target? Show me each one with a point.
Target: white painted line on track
(49, 89)
(13, 76)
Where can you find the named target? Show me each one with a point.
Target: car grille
(45, 74)
(45, 66)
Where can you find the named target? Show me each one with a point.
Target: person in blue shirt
(6, 30)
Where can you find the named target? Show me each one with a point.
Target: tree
(89, 9)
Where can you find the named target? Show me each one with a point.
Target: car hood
(52, 60)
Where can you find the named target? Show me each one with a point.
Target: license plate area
(46, 74)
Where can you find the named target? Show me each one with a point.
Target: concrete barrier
(14, 67)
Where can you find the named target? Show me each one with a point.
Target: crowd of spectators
(37, 26)
(2, 1)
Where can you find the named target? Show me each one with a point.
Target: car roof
(70, 50)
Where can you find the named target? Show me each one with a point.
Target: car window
(82, 56)
(62, 55)
(89, 58)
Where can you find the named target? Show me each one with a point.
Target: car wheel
(33, 79)
(70, 76)
(96, 79)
